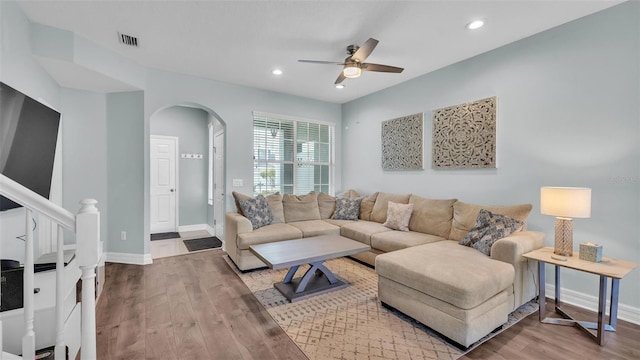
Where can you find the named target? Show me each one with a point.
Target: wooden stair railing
(86, 226)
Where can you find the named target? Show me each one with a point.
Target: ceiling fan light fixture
(352, 71)
(276, 72)
(339, 86)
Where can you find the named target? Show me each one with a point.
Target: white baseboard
(589, 302)
(194, 227)
(124, 258)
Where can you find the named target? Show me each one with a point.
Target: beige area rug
(351, 323)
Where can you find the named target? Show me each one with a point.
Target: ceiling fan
(354, 63)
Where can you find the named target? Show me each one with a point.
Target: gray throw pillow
(257, 210)
(488, 229)
(347, 209)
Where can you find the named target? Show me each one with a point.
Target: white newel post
(87, 240)
(29, 338)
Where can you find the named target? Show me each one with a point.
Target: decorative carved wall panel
(464, 136)
(402, 143)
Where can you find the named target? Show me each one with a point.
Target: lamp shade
(570, 202)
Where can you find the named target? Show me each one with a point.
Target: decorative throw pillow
(326, 205)
(239, 197)
(301, 207)
(347, 209)
(350, 194)
(257, 210)
(277, 210)
(488, 229)
(398, 216)
(366, 206)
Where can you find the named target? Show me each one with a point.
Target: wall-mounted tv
(28, 135)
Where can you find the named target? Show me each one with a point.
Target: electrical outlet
(123, 235)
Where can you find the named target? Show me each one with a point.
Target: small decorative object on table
(591, 252)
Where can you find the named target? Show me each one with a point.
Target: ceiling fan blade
(382, 68)
(365, 50)
(321, 62)
(340, 78)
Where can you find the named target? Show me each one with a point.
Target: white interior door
(218, 183)
(164, 215)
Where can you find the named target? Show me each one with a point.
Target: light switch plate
(237, 183)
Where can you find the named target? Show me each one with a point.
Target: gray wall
(568, 115)
(84, 152)
(125, 175)
(190, 126)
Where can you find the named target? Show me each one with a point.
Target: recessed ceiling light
(339, 86)
(276, 72)
(476, 24)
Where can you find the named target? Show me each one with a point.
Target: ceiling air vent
(128, 39)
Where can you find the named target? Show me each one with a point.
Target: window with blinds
(292, 156)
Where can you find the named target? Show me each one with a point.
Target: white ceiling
(240, 42)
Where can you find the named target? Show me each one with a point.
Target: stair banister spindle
(87, 252)
(59, 347)
(28, 339)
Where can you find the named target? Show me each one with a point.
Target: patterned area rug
(351, 323)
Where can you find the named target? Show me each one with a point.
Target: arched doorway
(187, 167)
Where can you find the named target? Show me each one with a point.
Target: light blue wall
(125, 175)
(568, 115)
(190, 126)
(84, 152)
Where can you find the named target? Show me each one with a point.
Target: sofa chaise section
(453, 289)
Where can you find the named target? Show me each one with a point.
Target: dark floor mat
(202, 244)
(164, 236)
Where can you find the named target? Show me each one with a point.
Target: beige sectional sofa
(424, 272)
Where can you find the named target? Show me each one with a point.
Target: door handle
(172, 190)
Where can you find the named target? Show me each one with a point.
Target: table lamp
(565, 203)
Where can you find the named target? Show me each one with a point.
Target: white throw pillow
(398, 216)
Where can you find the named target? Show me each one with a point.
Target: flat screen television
(28, 136)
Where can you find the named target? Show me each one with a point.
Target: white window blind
(292, 156)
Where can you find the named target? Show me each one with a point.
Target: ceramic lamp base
(564, 237)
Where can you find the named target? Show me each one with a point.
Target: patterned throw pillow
(398, 216)
(488, 229)
(347, 209)
(257, 210)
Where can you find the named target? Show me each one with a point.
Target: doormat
(351, 323)
(164, 236)
(202, 244)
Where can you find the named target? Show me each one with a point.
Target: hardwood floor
(194, 307)
(185, 307)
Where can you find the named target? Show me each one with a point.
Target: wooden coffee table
(313, 251)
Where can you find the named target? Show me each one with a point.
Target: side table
(607, 268)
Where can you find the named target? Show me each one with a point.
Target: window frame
(295, 162)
